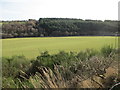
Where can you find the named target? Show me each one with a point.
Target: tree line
(48, 27)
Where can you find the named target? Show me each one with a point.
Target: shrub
(11, 66)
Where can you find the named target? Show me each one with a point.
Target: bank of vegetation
(63, 70)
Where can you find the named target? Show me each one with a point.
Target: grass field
(31, 47)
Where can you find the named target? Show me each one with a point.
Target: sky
(81, 9)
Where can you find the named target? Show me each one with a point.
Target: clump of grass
(87, 54)
(107, 50)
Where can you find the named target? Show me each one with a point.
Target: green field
(31, 47)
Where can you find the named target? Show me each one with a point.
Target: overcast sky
(35, 9)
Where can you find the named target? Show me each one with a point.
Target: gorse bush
(63, 58)
(11, 66)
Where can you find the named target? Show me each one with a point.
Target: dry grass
(51, 79)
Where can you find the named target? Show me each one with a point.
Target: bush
(11, 66)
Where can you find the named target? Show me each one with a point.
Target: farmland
(31, 47)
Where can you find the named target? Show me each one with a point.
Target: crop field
(31, 47)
